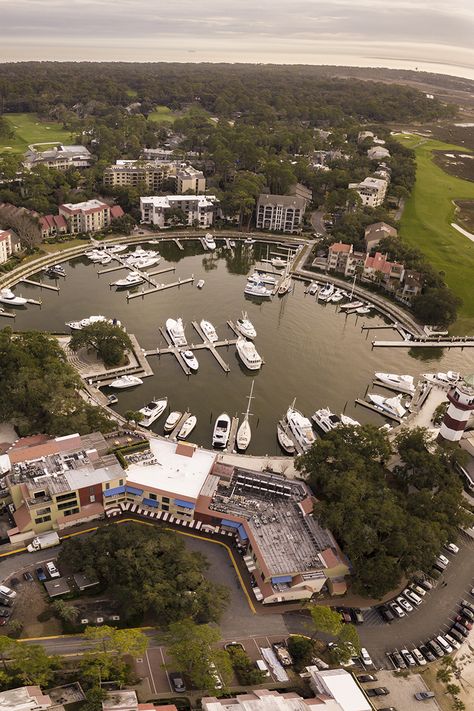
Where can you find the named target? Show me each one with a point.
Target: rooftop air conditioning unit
(99, 620)
(85, 621)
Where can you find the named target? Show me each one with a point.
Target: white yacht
(278, 263)
(300, 428)
(79, 325)
(349, 421)
(285, 442)
(209, 241)
(172, 420)
(336, 297)
(448, 378)
(325, 419)
(112, 399)
(8, 297)
(325, 292)
(188, 425)
(361, 310)
(313, 288)
(132, 279)
(144, 262)
(248, 354)
(95, 255)
(390, 405)
(106, 259)
(259, 290)
(200, 283)
(153, 411)
(56, 270)
(116, 248)
(351, 305)
(190, 360)
(244, 433)
(404, 383)
(221, 433)
(261, 278)
(245, 327)
(232, 243)
(126, 381)
(209, 331)
(175, 331)
(285, 286)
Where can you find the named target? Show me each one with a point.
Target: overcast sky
(436, 35)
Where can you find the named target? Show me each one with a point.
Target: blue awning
(115, 492)
(151, 502)
(184, 504)
(283, 579)
(133, 490)
(242, 532)
(230, 524)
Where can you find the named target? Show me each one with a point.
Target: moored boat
(190, 360)
(209, 330)
(403, 383)
(132, 279)
(262, 278)
(200, 283)
(449, 378)
(285, 286)
(349, 421)
(326, 292)
(249, 241)
(187, 427)
(362, 310)
(175, 331)
(278, 263)
(145, 262)
(117, 248)
(351, 305)
(56, 270)
(112, 399)
(79, 325)
(7, 296)
(209, 241)
(221, 433)
(248, 354)
(172, 420)
(325, 419)
(126, 381)
(300, 427)
(389, 405)
(153, 411)
(258, 290)
(313, 288)
(285, 442)
(244, 433)
(245, 327)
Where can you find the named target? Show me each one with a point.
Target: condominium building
(281, 213)
(9, 244)
(188, 179)
(60, 157)
(198, 209)
(27, 698)
(378, 153)
(376, 232)
(89, 216)
(52, 226)
(372, 191)
(153, 175)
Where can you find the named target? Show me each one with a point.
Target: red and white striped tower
(461, 406)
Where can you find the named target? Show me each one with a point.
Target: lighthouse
(461, 406)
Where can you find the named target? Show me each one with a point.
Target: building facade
(376, 232)
(9, 245)
(88, 216)
(60, 157)
(371, 191)
(280, 213)
(52, 226)
(460, 409)
(198, 210)
(153, 176)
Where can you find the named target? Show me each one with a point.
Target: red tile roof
(36, 451)
(340, 247)
(116, 211)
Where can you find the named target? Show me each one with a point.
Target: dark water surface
(311, 351)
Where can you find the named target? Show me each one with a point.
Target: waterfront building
(280, 213)
(460, 409)
(9, 244)
(52, 226)
(89, 216)
(198, 209)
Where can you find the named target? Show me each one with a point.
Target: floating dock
(178, 244)
(284, 425)
(158, 287)
(7, 314)
(372, 407)
(180, 423)
(466, 342)
(40, 284)
(233, 435)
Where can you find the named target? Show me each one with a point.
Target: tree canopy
(109, 341)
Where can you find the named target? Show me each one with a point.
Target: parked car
(453, 642)
(436, 572)
(377, 691)
(40, 574)
(427, 653)
(443, 559)
(444, 644)
(417, 589)
(412, 596)
(463, 622)
(213, 672)
(177, 682)
(424, 583)
(461, 629)
(439, 566)
(424, 695)
(418, 657)
(365, 656)
(466, 612)
(457, 635)
(27, 576)
(366, 678)
(262, 666)
(52, 570)
(405, 604)
(469, 605)
(386, 613)
(7, 592)
(6, 602)
(357, 616)
(397, 609)
(5, 612)
(397, 660)
(408, 657)
(452, 547)
(435, 648)
(345, 614)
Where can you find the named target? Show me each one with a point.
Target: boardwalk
(159, 287)
(466, 342)
(40, 284)
(233, 435)
(179, 424)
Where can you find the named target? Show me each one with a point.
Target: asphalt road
(432, 617)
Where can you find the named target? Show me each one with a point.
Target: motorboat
(200, 283)
(259, 290)
(244, 433)
(248, 354)
(336, 297)
(278, 263)
(221, 433)
(449, 378)
(352, 305)
(232, 243)
(117, 248)
(79, 325)
(55, 271)
(153, 411)
(175, 331)
(325, 292)
(172, 420)
(249, 240)
(285, 442)
(400, 382)
(145, 262)
(349, 421)
(209, 331)
(285, 286)
(389, 405)
(132, 279)
(209, 241)
(313, 288)
(261, 278)
(245, 327)
(95, 255)
(325, 419)
(8, 297)
(300, 427)
(106, 259)
(190, 360)
(188, 425)
(112, 399)
(126, 381)
(362, 310)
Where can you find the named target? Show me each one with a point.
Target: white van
(52, 570)
(7, 592)
(260, 664)
(444, 644)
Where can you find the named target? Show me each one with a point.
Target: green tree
(453, 689)
(32, 664)
(65, 611)
(108, 340)
(301, 651)
(193, 650)
(134, 415)
(245, 670)
(437, 306)
(326, 620)
(118, 641)
(6, 645)
(348, 644)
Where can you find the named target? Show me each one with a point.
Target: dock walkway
(465, 342)
(40, 284)
(179, 424)
(233, 435)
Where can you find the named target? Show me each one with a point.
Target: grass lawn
(426, 224)
(29, 129)
(162, 114)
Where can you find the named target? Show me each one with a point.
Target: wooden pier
(158, 287)
(467, 342)
(162, 271)
(178, 244)
(40, 284)
(116, 268)
(233, 435)
(170, 349)
(212, 346)
(203, 242)
(7, 314)
(372, 407)
(180, 423)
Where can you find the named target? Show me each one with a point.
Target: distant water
(311, 351)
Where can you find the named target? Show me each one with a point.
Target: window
(71, 512)
(107, 486)
(42, 519)
(165, 499)
(165, 507)
(42, 512)
(120, 482)
(92, 498)
(66, 505)
(39, 494)
(153, 497)
(66, 497)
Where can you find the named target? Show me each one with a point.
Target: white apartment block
(188, 178)
(88, 216)
(60, 157)
(9, 244)
(372, 191)
(198, 209)
(282, 213)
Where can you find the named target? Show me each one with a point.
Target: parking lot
(402, 692)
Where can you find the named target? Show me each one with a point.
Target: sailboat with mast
(244, 433)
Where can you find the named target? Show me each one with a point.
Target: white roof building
(378, 153)
(263, 700)
(26, 698)
(198, 209)
(341, 688)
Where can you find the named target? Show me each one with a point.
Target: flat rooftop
(177, 468)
